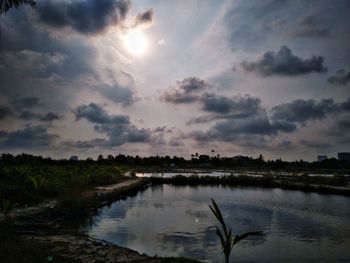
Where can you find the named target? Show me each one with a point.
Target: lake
(224, 173)
(176, 221)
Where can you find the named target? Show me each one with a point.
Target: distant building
(321, 158)
(74, 158)
(344, 156)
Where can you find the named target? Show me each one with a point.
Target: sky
(142, 77)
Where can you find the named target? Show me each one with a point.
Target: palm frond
(227, 239)
(6, 5)
(217, 212)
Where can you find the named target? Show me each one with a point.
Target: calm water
(224, 173)
(176, 221)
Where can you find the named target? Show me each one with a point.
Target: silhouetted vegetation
(6, 5)
(26, 180)
(331, 165)
(303, 183)
(227, 239)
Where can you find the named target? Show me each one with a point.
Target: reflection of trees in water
(246, 217)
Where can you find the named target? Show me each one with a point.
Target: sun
(135, 42)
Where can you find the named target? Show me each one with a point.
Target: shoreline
(233, 181)
(60, 239)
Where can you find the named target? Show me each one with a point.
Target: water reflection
(176, 221)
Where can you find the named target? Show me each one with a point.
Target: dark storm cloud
(118, 94)
(27, 65)
(5, 112)
(144, 19)
(259, 124)
(257, 129)
(284, 63)
(35, 64)
(21, 103)
(29, 137)
(204, 119)
(300, 111)
(50, 116)
(20, 108)
(341, 77)
(343, 106)
(254, 126)
(185, 91)
(96, 114)
(97, 142)
(30, 116)
(83, 16)
(224, 105)
(117, 128)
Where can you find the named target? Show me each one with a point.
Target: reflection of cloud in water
(305, 229)
(122, 235)
(197, 214)
(244, 218)
(176, 221)
(117, 210)
(185, 243)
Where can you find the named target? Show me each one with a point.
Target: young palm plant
(227, 239)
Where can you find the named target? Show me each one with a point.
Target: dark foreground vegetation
(30, 182)
(27, 180)
(69, 187)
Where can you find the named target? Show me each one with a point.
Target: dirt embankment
(59, 241)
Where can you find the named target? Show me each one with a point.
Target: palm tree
(226, 238)
(6, 5)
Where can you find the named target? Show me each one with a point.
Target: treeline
(204, 161)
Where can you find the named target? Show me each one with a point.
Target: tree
(226, 238)
(100, 158)
(6, 5)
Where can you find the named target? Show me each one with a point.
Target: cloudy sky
(162, 77)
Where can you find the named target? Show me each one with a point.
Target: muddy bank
(99, 196)
(80, 248)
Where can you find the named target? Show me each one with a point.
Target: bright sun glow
(136, 42)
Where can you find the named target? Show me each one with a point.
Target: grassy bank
(28, 184)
